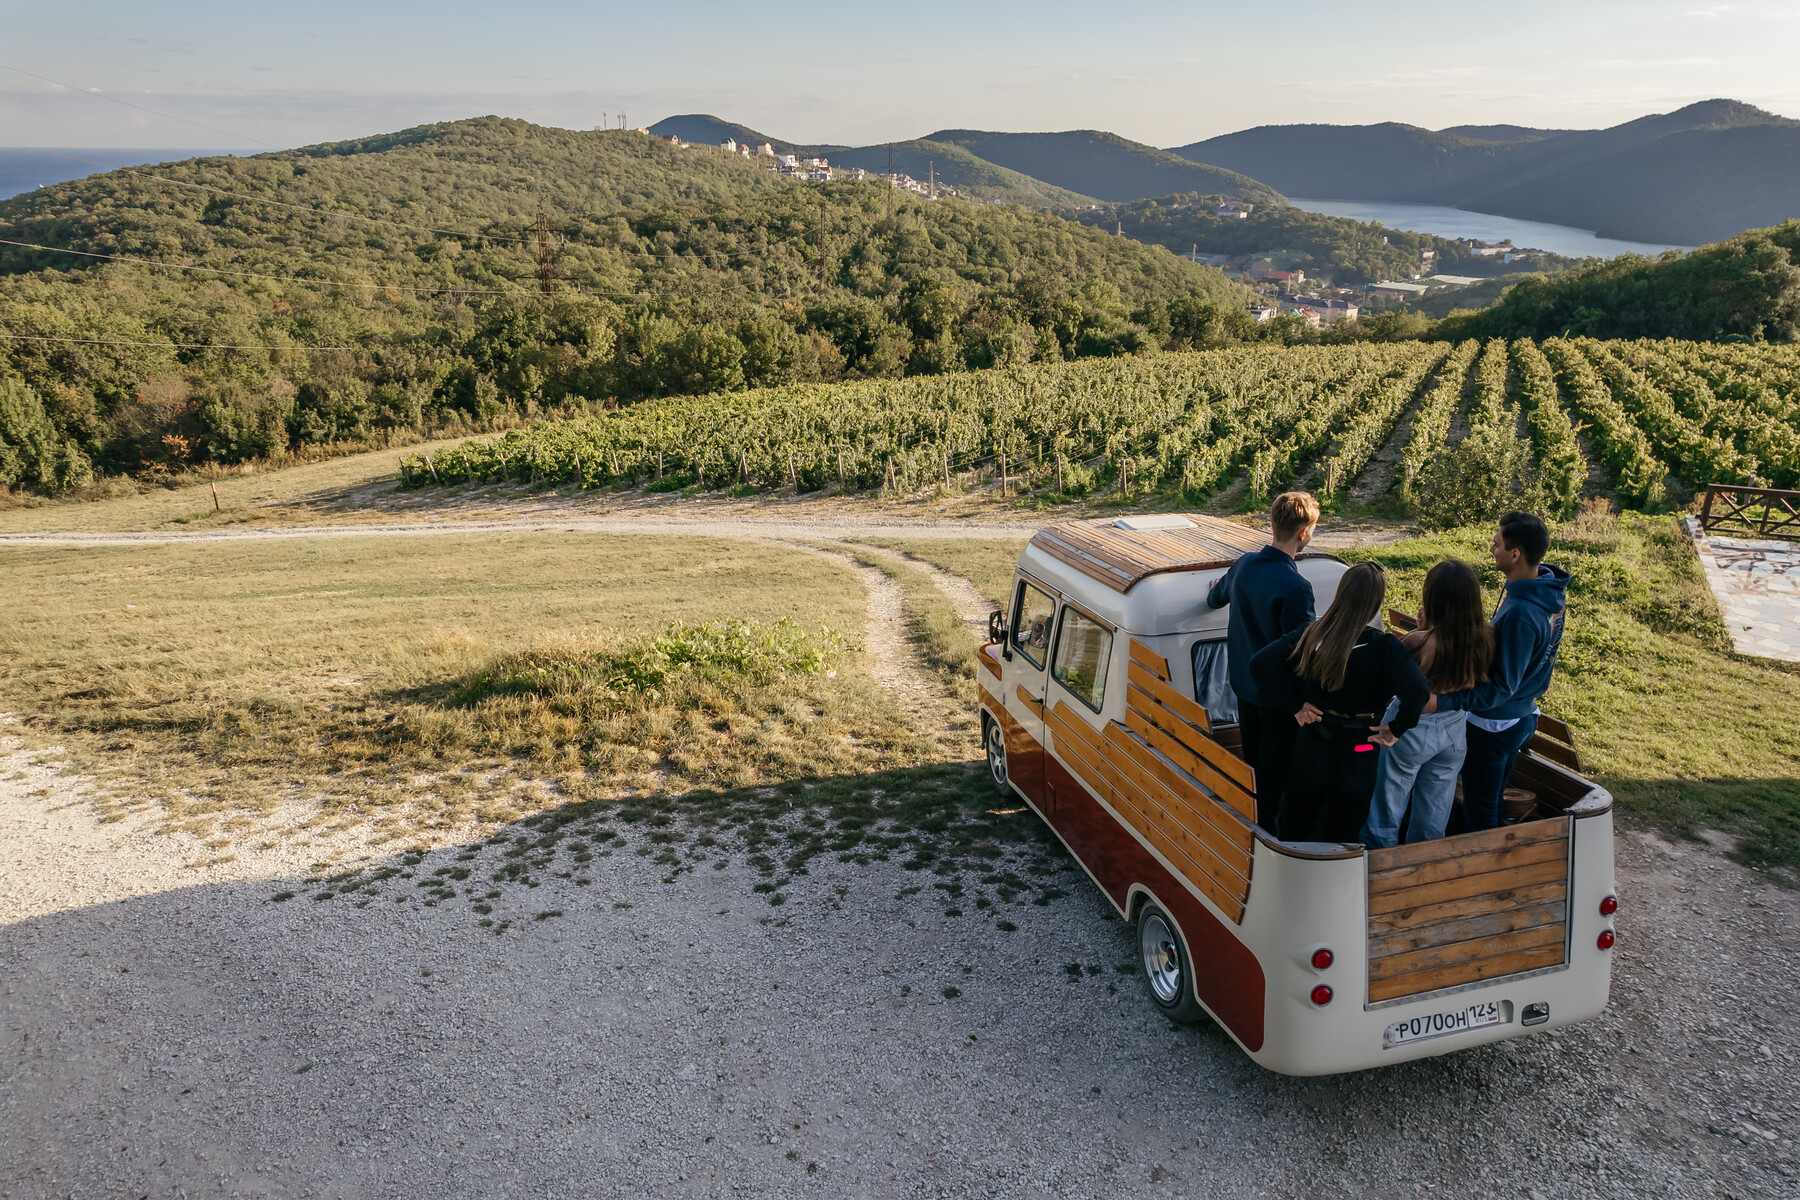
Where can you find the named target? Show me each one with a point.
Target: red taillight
(1605, 940)
(1321, 959)
(1321, 995)
(1609, 906)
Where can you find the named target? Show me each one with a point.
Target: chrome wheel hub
(1162, 958)
(996, 753)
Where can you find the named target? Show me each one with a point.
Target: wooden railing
(1755, 512)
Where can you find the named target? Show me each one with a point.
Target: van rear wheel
(1168, 972)
(995, 739)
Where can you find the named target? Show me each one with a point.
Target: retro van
(1105, 706)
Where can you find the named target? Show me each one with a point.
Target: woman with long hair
(1454, 646)
(1337, 676)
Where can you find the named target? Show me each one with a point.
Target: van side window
(1083, 648)
(1033, 614)
(1212, 682)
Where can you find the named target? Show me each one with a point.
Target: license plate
(1417, 1029)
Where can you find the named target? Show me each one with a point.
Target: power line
(128, 104)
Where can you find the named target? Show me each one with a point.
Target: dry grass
(234, 676)
(284, 495)
(987, 563)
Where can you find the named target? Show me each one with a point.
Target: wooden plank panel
(1225, 788)
(1167, 695)
(1221, 760)
(1462, 929)
(1223, 828)
(1460, 973)
(1086, 760)
(1469, 885)
(1419, 874)
(1223, 862)
(990, 663)
(1551, 727)
(1497, 946)
(1029, 701)
(1555, 751)
(1140, 702)
(1141, 653)
(1468, 906)
(1388, 857)
(1228, 899)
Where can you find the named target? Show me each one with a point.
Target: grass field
(294, 493)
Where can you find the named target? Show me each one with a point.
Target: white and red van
(1106, 706)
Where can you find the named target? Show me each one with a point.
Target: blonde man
(1269, 599)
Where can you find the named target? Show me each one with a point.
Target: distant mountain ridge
(1696, 175)
(1105, 165)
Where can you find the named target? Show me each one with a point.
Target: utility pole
(621, 120)
(890, 197)
(932, 186)
(1194, 254)
(546, 271)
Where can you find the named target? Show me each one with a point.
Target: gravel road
(168, 1030)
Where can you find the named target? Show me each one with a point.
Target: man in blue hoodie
(1269, 599)
(1528, 629)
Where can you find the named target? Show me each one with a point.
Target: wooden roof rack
(1120, 551)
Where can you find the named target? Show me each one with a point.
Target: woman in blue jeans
(1454, 646)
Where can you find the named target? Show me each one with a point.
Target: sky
(260, 76)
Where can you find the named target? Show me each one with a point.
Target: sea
(24, 168)
(1459, 223)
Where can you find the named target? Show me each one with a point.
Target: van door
(1022, 679)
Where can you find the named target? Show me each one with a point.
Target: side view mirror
(997, 631)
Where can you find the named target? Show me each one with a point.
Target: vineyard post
(1331, 476)
(215, 492)
(405, 479)
(1000, 465)
(793, 475)
(505, 471)
(432, 467)
(614, 455)
(467, 469)
(659, 464)
(579, 473)
(744, 466)
(1187, 472)
(946, 470)
(841, 484)
(891, 485)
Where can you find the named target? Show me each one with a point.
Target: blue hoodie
(1528, 631)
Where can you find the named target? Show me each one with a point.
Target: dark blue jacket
(1268, 598)
(1528, 631)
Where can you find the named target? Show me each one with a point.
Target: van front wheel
(995, 738)
(1168, 971)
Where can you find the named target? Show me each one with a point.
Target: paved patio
(1757, 585)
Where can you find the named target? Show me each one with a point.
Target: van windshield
(1212, 682)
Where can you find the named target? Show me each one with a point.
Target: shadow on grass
(1762, 815)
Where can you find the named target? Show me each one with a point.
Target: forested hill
(330, 293)
(1696, 175)
(1104, 165)
(1345, 251)
(1746, 288)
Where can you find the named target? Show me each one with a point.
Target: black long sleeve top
(1380, 669)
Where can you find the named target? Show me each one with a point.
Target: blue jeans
(1420, 770)
(1488, 768)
